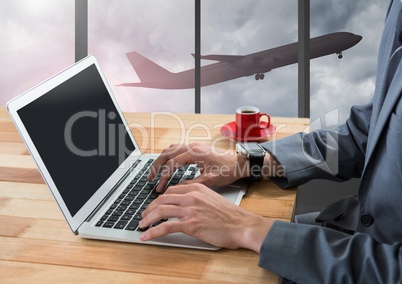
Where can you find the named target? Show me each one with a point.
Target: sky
(38, 41)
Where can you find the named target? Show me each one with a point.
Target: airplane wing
(221, 58)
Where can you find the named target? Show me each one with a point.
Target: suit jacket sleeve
(332, 256)
(314, 254)
(334, 155)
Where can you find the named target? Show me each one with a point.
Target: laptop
(88, 157)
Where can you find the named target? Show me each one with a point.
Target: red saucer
(230, 130)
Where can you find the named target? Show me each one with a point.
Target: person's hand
(206, 215)
(217, 167)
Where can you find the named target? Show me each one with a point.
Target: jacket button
(366, 220)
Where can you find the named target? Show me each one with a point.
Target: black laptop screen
(79, 135)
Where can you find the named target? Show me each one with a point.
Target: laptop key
(126, 203)
(149, 187)
(133, 193)
(120, 225)
(137, 217)
(132, 225)
(129, 198)
(125, 217)
(153, 196)
(141, 196)
(146, 191)
(108, 225)
(137, 188)
(121, 208)
(134, 207)
(113, 219)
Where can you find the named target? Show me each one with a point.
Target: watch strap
(256, 164)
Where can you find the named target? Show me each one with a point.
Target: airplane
(231, 67)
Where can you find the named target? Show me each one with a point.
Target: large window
(37, 41)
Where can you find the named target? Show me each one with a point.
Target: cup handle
(269, 120)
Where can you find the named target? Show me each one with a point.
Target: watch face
(253, 147)
(250, 148)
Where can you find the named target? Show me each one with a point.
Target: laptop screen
(79, 135)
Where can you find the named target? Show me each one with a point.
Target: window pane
(160, 30)
(37, 41)
(337, 84)
(246, 27)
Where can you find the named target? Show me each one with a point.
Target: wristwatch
(255, 154)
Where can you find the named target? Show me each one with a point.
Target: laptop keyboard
(125, 212)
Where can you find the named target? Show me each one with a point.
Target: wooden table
(36, 244)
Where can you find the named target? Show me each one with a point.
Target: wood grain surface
(37, 246)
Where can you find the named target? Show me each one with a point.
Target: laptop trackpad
(234, 192)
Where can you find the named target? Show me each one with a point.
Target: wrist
(254, 234)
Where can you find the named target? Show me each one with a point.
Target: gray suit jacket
(369, 146)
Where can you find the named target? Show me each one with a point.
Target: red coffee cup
(248, 122)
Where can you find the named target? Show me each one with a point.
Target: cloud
(37, 42)
(330, 16)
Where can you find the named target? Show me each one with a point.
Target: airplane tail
(146, 69)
